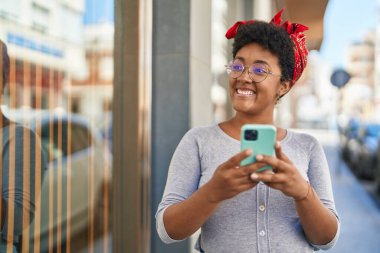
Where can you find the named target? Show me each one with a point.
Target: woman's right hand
(230, 179)
(184, 218)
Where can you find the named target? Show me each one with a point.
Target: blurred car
(352, 154)
(104, 124)
(377, 170)
(359, 147)
(369, 143)
(78, 162)
(349, 144)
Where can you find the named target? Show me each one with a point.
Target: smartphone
(260, 139)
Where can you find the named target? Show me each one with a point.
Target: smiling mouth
(245, 93)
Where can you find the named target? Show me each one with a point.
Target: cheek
(276, 90)
(232, 85)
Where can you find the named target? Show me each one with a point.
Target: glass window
(53, 103)
(82, 136)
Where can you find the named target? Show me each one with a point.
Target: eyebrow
(257, 61)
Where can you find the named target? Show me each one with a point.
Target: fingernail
(248, 152)
(277, 144)
(259, 157)
(254, 176)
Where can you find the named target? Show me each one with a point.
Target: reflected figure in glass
(21, 161)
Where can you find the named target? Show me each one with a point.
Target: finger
(245, 187)
(267, 177)
(279, 154)
(245, 180)
(272, 161)
(236, 159)
(237, 184)
(250, 168)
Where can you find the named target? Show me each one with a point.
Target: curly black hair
(5, 65)
(271, 37)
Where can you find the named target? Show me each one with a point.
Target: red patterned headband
(295, 32)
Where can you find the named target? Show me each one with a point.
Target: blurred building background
(92, 93)
(359, 95)
(72, 40)
(46, 35)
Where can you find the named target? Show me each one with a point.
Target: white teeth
(245, 92)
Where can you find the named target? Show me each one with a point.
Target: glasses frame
(250, 74)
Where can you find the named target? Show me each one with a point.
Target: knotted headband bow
(295, 32)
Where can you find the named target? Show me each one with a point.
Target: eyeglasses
(257, 72)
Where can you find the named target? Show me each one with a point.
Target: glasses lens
(234, 69)
(258, 73)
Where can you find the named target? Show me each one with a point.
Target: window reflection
(59, 95)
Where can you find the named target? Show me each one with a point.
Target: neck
(240, 119)
(232, 127)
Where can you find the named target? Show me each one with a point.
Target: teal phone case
(263, 145)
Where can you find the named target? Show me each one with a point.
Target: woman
(239, 210)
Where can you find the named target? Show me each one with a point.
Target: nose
(244, 77)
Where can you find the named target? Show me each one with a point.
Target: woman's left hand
(285, 176)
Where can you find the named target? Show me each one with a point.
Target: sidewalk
(359, 213)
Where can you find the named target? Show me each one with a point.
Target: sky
(346, 22)
(99, 11)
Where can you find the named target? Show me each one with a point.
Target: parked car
(369, 142)
(353, 152)
(377, 170)
(349, 143)
(78, 164)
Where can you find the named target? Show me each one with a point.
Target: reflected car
(104, 124)
(72, 197)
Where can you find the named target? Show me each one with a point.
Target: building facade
(46, 45)
(359, 94)
(92, 94)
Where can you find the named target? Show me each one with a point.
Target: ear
(284, 88)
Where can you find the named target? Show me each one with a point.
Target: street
(359, 213)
